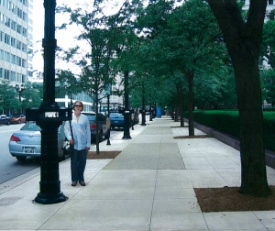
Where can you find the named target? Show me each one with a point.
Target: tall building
(16, 41)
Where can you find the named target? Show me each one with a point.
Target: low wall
(232, 141)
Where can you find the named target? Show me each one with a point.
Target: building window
(7, 39)
(6, 74)
(2, 18)
(24, 47)
(19, 13)
(9, 5)
(19, 60)
(13, 42)
(25, 17)
(8, 22)
(13, 59)
(1, 36)
(13, 76)
(7, 56)
(1, 54)
(270, 2)
(24, 31)
(24, 63)
(13, 9)
(19, 28)
(19, 45)
(24, 79)
(13, 25)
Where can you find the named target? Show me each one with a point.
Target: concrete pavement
(149, 186)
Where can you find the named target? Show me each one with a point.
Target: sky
(65, 39)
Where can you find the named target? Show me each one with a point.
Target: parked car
(117, 120)
(102, 129)
(17, 119)
(26, 142)
(4, 119)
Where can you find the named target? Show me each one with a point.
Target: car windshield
(31, 126)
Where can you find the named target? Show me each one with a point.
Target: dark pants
(78, 163)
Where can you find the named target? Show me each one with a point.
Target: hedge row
(228, 122)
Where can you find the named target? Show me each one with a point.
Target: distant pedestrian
(80, 137)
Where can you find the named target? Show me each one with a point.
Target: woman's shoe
(82, 183)
(73, 183)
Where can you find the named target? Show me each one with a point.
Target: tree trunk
(254, 179)
(190, 78)
(181, 115)
(243, 44)
(176, 119)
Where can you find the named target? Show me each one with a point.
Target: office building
(16, 40)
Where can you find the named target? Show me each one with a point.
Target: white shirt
(81, 132)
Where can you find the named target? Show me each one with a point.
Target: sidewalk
(149, 186)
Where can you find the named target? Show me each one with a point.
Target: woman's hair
(78, 102)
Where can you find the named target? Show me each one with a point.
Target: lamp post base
(50, 199)
(126, 137)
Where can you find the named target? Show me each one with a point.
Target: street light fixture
(108, 116)
(20, 89)
(126, 111)
(49, 116)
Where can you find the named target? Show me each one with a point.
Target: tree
(268, 43)
(243, 38)
(268, 85)
(8, 98)
(183, 38)
(68, 82)
(268, 54)
(95, 75)
(32, 95)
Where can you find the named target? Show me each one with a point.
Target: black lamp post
(108, 117)
(49, 116)
(19, 90)
(143, 113)
(126, 111)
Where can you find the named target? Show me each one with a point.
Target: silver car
(27, 142)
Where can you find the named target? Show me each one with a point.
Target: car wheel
(21, 158)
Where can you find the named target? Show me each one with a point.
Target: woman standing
(80, 138)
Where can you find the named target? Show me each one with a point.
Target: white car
(26, 142)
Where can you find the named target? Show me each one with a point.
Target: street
(10, 167)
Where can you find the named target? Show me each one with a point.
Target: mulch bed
(230, 199)
(103, 155)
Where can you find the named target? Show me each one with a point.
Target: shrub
(227, 121)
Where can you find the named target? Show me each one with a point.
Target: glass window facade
(16, 40)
